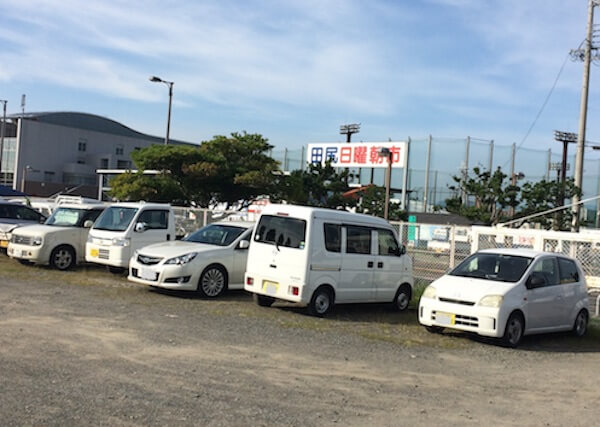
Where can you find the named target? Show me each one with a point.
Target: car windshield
(490, 266)
(115, 218)
(71, 217)
(216, 234)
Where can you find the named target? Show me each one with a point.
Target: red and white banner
(357, 154)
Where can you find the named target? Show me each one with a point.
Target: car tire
(434, 329)
(213, 282)
(580, 325)
(116, 270)
(62, 258)
(321, 302)
(262, 300)
(402, 298)
(513, 332)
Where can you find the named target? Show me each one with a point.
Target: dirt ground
(105, 352)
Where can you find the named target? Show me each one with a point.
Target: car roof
(81, 206)
(529, 253)
(140, 205)
(246, 224)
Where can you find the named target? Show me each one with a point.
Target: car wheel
(513, 333)
(434, 329)
(580, 325)
(213, 282)
(62, 258)
(116, 270)
(262, 300)
(402, 298)
(321, 302)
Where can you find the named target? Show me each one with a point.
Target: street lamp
(386, 152)
(170, 85)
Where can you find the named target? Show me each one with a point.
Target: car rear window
(281, 231)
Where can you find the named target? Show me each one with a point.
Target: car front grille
(148, 260)
(457, 301)
(22, 240)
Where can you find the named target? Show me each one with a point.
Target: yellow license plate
(3, 243)
(444, 318)
(94, 252)
(270, 287)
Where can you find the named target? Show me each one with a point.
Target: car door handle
(379, 265)
(370, 264)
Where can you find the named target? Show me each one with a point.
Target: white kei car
(508, 293)
(211, 260)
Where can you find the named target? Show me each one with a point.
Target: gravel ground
(89, 348)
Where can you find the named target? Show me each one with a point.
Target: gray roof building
(52, 152)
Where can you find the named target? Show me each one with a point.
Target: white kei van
(317, 257)
(125, 227)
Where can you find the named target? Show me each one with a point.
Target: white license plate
(270, 287)
(147, 274)
(444, 318)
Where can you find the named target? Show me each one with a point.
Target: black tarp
(8, 192)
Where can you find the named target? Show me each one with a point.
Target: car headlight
(183, 259)
(429, 292)
(491, 301)
(36, 241)
(120, 242)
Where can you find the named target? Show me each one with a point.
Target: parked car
(125, 227)
(211, 260)
(60, 241)
(508, 293)
(13, 215)
(321, 257)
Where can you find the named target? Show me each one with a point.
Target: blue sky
(295, 70)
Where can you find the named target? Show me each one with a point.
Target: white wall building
(52, 152)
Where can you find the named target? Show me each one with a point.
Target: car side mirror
(140, 227)
(401, 250)
(88, 223)
(536, 280)
(244, 244)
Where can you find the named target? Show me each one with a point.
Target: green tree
(319, 185)
(372, 202)
(545, 195)
(225, 169)
(490, 193)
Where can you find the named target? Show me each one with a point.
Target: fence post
(403, 204)
(205, 218)
(452, 245)
(427, 162)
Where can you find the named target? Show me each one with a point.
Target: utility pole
(584, 54)
(348, 130)
(566, 138)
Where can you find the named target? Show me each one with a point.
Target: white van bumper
(287, 291)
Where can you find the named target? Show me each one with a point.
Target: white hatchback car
(210, 260)
(508, 293)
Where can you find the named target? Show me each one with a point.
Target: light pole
(2, 129)
(386, 152)
(170, 85)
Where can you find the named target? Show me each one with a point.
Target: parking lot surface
(87, 347)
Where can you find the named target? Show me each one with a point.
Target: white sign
(357, 154)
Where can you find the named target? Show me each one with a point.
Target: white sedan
(508, 293)
(211, 260)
